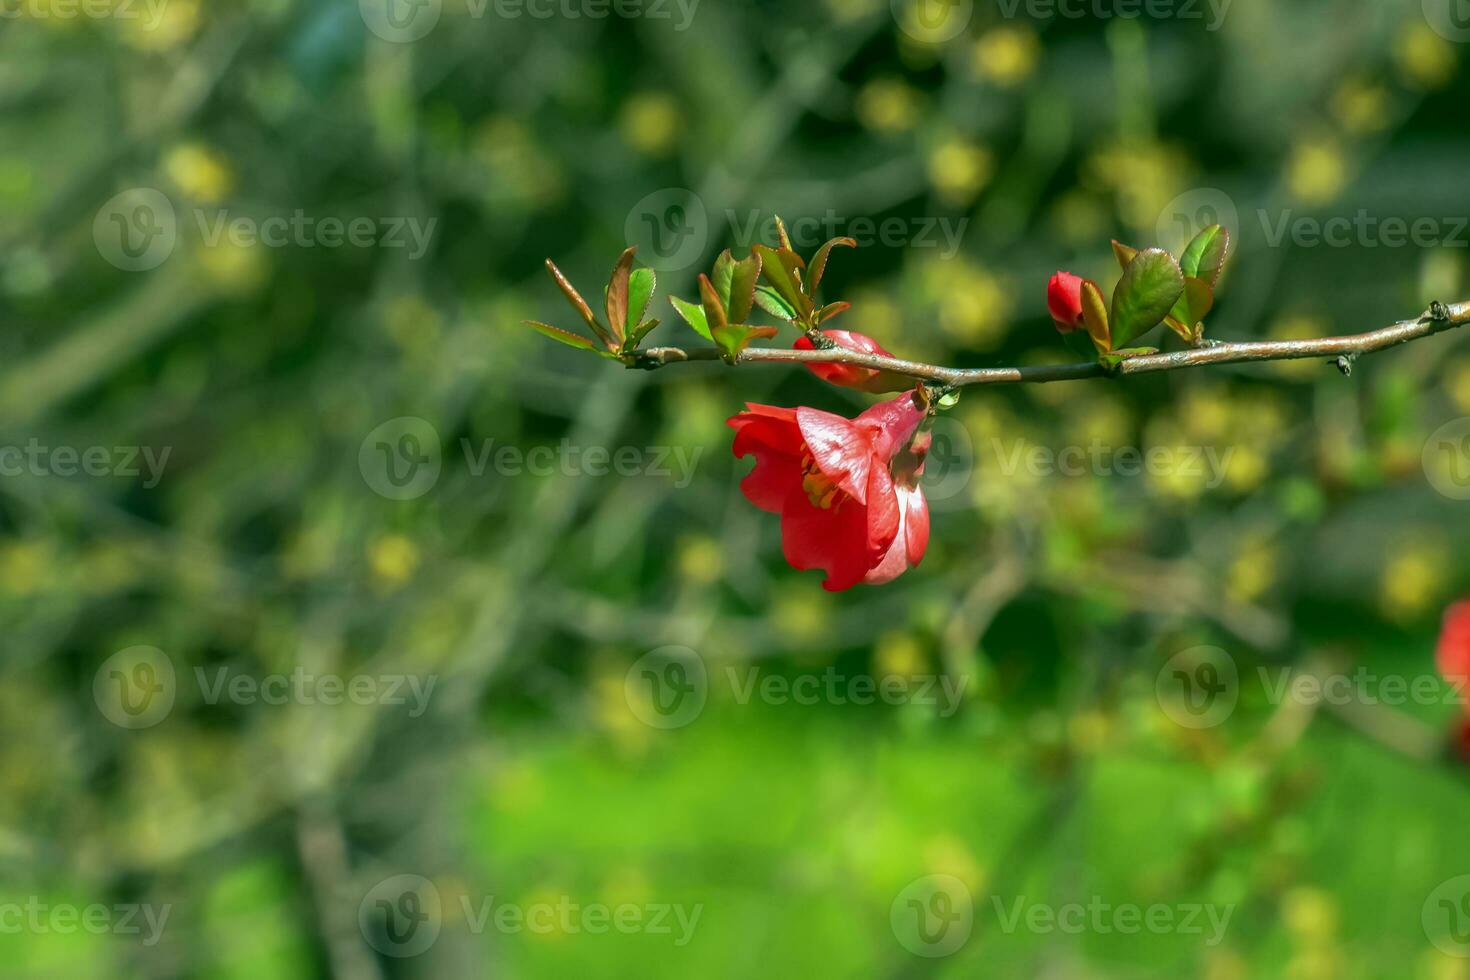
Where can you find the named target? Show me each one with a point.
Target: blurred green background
(325, 497)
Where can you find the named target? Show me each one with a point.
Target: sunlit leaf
(1095, 316)
(579, 304)
(617, 293)
(770, 301)
(641, 285)
(693, 315)
(1204, 257)
(819, 263)
(746, 273)
(1192, 306)
(1150, 287)
(1124, 254)
(556, 333)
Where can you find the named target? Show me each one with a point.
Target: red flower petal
(771, 435)
(834, 539)
(841, 450)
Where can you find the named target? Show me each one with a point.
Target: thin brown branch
(1436, 319)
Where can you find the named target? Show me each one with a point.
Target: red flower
(846, 489)
(847, 376)
(1453, 653)
(1064, 300)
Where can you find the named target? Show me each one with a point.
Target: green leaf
(742, 288)
(785, 239)
(735, 337)
(1150, 287)
(556, 333)
(640, 291)
(819, 263)
(617, 293)
(830, 310)
(770, 301)
(1204, 257)
(722, 275)
(579, 304)
(693, 315)
(1124, 254)
(1193, 305)
(636, 335)
(782, 269)
(1095, 316)
(714, 310)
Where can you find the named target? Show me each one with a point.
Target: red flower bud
(1064, 300)
(845, 375)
